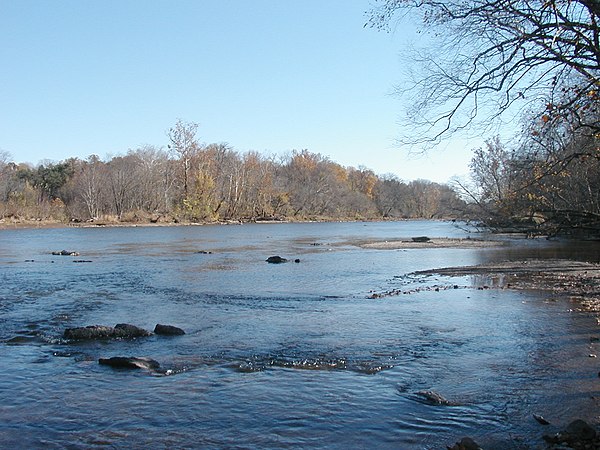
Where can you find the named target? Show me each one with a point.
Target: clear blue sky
(82, 77)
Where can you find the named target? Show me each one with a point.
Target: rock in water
(92, 332)
(578, 434)
(130, 362)
(541, 420)
(65, 253)
(276, 260)
(89, 332)
(434, 398)
(125, 330)
(168, 330)
(580, 430)
(465, 443)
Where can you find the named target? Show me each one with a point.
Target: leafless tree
(6, 174)
(90, 181)
(492, 57)
(183, 142)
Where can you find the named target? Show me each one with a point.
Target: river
(291, 355)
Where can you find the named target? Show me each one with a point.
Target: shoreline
(410, 243)
(50, 224)
(577, 280)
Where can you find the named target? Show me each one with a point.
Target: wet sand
(576, 279)
(409, 243)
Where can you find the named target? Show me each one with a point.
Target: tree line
(192, 182)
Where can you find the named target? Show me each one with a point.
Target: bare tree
(184, 143)
(122, 183)
(496, 56)
(89, 183)
(6, 174)
(153, 172)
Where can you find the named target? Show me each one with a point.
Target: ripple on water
(275, 357)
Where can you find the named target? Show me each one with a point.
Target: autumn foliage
(190, 182)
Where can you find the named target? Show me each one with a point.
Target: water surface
(279, 356)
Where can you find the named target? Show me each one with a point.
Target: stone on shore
(421, 239)
(168, 330)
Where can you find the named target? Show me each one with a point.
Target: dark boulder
(168, 330)
(125, 330)
(465, 443)
(578, 434)
(541, 420)
(89, 332)
(421, 239)
(276, 260)
(580, 430)
(94, 332)
(130, 362)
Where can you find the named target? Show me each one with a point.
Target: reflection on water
(288, 355)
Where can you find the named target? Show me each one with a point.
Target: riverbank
(577, 280)
(48, 224)
(426, 242)
(12, 224)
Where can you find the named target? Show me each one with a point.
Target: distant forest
(190, 182)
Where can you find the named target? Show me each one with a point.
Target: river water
(282, 356)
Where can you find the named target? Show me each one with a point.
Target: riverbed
(290, 355)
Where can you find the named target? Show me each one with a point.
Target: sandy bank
(408, 243)
(575, 279)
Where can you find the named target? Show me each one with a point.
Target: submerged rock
(541, 420)
(580, 430)
(578, 434)
(21, 340)
(130, 362)
(93, 332)
(465, 443)
(434, 398)
(168, 330)
(276, 260)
